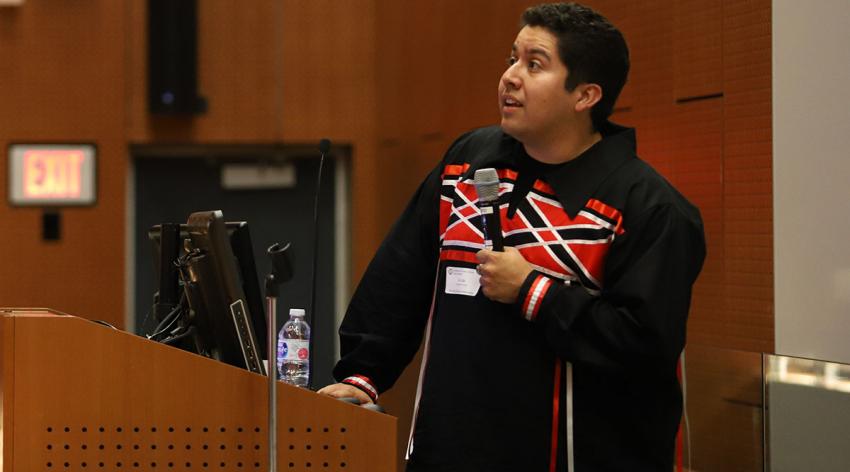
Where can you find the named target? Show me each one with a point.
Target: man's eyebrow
(541, 52)
(533, 51)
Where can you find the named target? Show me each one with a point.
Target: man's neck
(566, 148)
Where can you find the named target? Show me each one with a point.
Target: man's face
(534, 104)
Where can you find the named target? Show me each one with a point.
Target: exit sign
(52, 174)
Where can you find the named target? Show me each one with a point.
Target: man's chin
(511, 131)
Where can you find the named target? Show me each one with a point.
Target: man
(565, 359)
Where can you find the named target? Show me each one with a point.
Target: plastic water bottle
(293, 350)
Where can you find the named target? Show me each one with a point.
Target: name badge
(462, 281)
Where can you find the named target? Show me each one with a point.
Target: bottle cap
(296, 312)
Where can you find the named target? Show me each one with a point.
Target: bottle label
(296, 350)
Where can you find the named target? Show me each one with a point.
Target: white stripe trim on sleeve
(538, 287)
(362, 383)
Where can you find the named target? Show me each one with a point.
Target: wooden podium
(77, 395)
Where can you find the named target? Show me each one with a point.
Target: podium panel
(81, 396)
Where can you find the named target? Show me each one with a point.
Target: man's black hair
(593, 50)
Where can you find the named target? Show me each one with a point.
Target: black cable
(104, 323)
(165, 320)
(179, 263)
(189, 331)
(170, 318)
(165, 329)
(174, 315)
(315, 239)
(148, 314)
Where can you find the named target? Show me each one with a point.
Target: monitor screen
(209, 298)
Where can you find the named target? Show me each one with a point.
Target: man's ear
(589, 95)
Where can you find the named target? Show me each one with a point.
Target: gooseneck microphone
(324, 148)
(487, 186)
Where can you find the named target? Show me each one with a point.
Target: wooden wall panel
(648, 96)
(697, 171)
(328, 77)
(328, 90)
(747, 151)
(63, 81)
(479, 45)
(697, 48)
(239, 66)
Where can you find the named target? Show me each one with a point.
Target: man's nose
(510, 78)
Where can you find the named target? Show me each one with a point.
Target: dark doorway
(170, 185)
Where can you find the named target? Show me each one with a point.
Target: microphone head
(487, 184)
(324, 145)
(282, 264)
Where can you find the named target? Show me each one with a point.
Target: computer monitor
(209, 298)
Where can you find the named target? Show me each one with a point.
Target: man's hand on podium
(341, 390)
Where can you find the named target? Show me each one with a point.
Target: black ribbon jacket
(580, 371)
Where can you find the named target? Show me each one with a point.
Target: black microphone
(324, 146)
(487, 187)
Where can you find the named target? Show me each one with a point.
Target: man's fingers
(336, 390)
(483, 255)
(340, 390)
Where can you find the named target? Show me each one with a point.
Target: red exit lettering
(53, 174)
